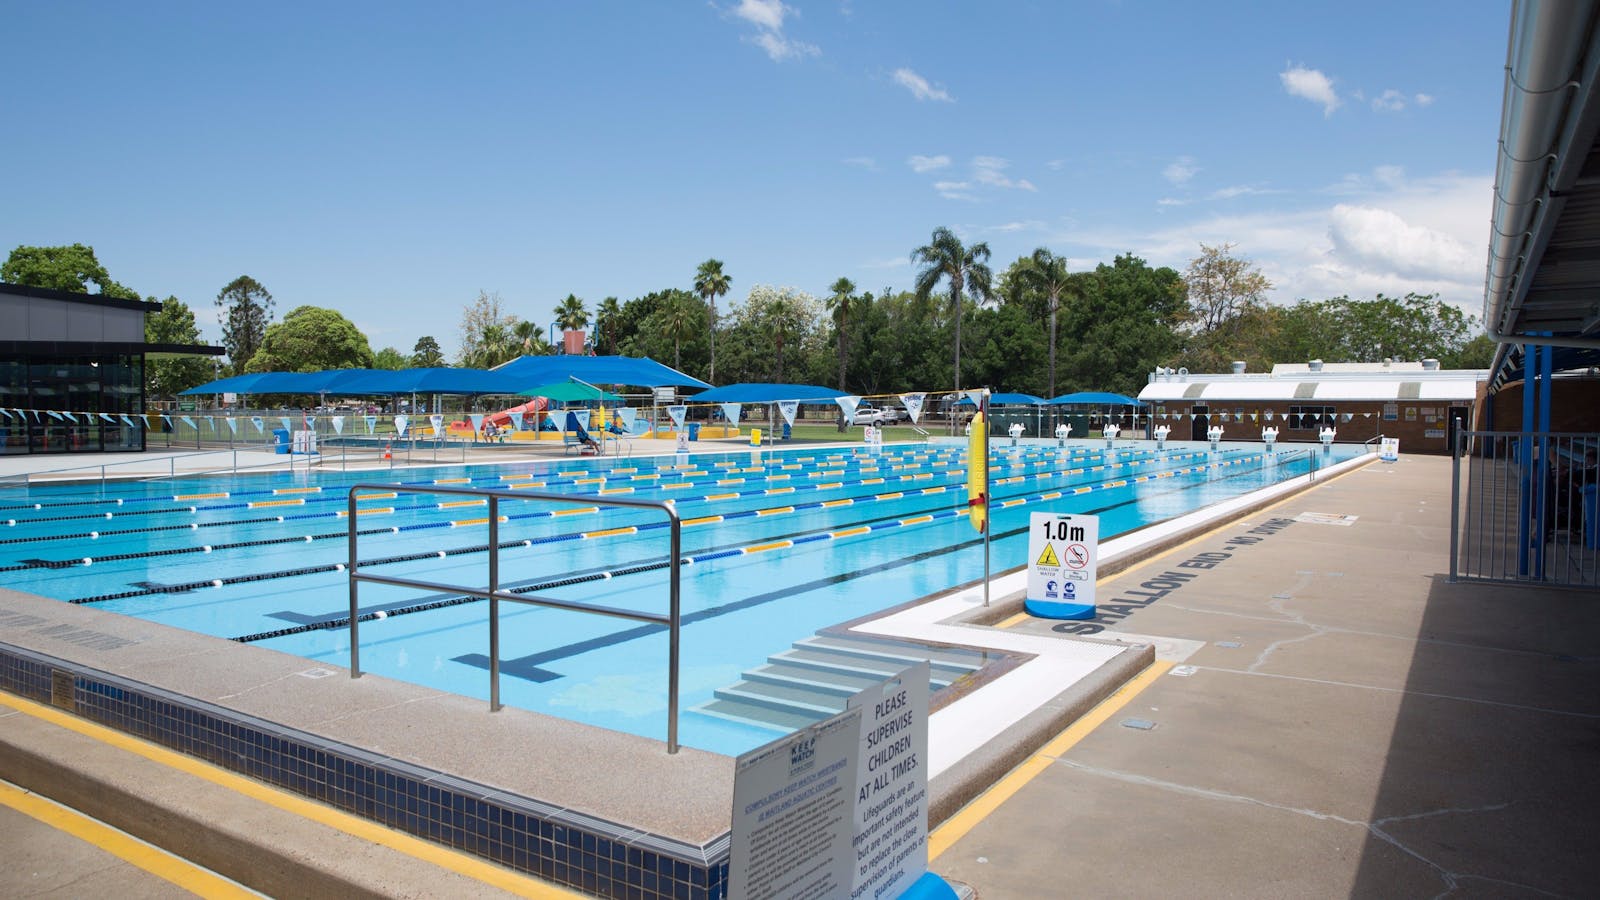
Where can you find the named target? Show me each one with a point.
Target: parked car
(867, 414)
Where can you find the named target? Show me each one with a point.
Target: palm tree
(1048, 274)
(839, 304)
(529, 338)
(570, 314)
(710, 283)
(944, 257)
(605, 322)
(496, 344)
(678, 321)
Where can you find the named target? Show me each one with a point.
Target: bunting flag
(286, 425)
(233, 425)
(437, 421)
(630, 417)
(400, 425)
(338, 424)
(260, 423)
(975, 396)
(167, 421)
(516, 420)
(311, 422)
(477, 422)
(372, 423)
(1347, 417)
(788, 409)
(731, 410)
(71, 416)
(913, 405)
(107, 417)
(678, 411)
(1256, 416)
(127, 421)
(209, 423)
(54, 415)
(187, 421)
(848, 403)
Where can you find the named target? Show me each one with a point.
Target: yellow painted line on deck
(577, 511)
(258, 504)
(124, 846)
(372, 832)
(215, 496)
(299, 490)
(608, 532)
(1015, 620)
(957, 826)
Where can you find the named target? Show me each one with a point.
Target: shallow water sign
(1063, 556)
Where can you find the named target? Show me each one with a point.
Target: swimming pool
(781, 544)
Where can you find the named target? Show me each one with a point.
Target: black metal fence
(1524, 508)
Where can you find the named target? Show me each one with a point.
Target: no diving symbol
(1077, 556)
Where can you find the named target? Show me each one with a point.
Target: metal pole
(674, 630)
(494, 603)
(355, 607)
(1455, 501)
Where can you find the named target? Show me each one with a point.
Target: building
(1417, 402)
(72, 371)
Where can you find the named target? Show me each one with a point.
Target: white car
(870, 415)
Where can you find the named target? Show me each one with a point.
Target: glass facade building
(72, 371)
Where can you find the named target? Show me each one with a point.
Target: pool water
(780, 545)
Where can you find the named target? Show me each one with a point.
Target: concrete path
(1347, 723)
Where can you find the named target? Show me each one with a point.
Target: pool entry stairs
(816, 677)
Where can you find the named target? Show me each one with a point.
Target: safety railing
(672, 619)
(1523, 508)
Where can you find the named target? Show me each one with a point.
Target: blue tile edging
(524, 834)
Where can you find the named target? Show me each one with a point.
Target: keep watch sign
(1063, 553)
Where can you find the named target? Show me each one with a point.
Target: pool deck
(1327, 716)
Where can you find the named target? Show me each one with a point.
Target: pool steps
(818, 675)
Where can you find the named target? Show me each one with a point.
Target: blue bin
(786, 431)
(694, 431)
(280, 440)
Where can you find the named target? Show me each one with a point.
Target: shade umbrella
(571, 392)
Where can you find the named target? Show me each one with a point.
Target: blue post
(1530, 356)
(1546, 515)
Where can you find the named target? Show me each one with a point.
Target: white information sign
(792, 802)
(1063, 555)
(1389, 450)
(891, 807)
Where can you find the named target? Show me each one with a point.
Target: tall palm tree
(945, 258)
(496, 344)
(678, 321)
(1048, 274)
(529, 339)
(570, 314)
(606, 320)
(710, 283)
(839, 303)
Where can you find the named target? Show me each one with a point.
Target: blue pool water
(783, 543)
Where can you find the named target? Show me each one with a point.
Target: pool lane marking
(981, 807)
(444, 858)
(142, 854)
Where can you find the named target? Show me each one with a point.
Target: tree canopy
(312, 339)
(174, 324)
(73, 268)
(246, 308)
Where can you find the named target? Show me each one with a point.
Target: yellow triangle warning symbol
(1048, 557)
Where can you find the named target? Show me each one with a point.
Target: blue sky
(389, 160)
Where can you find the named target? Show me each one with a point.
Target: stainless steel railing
(672, 619)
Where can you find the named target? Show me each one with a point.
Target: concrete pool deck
(1226, 743)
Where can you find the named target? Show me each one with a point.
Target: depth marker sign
(1063, 555)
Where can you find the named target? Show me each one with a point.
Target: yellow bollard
(755, 437)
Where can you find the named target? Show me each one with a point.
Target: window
(1308, 418)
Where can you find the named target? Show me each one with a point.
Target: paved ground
(1352, 725)
(1341, 722)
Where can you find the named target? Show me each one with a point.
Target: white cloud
(1379, 240)
(1424, 99)
(1171, 201)
(1055, 165)
(954, 190)
(924, 164)
(1180, 170)
(990, 170)
(1312, 85)
(891, 262)
(1239, 190)
(1013, 227)
(919, 86)
(767, 16)
(865, 162)
(1389, 101)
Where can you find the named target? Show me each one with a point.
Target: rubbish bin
(786, 431)
(694, 431)
(280, 440)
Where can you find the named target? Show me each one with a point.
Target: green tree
(495, 344)
(1047, 273)
(571, 314)
(710, 282)
(425, 354)
(312, 339)
(390, 358)
(839, 303)
(529, 339)
(1477, 353)
(166, 377)
(678, 320)
(944, 258)
(606, 322)
(1124, 322)
(476, 317)
(246, 312)
(73, 268)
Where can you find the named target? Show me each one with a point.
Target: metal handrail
(672, 619)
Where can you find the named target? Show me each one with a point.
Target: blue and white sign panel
(1063, 557)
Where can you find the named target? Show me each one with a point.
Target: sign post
(1063, 557)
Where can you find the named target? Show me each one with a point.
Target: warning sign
(1048, 557)
(1061, 583)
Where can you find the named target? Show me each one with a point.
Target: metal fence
(1523, 508)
